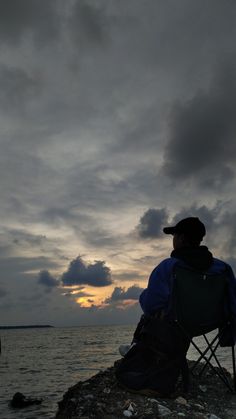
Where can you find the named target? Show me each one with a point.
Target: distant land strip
(33, 326)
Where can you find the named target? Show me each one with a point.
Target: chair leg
(212, 355)
(234, 368)
(220, 374)
(201, 353)
(185, 375)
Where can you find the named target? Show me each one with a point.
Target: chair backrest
(199, 300)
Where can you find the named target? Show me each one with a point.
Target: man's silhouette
(187, 236)
(157, 354)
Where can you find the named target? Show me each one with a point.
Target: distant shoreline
(33, 326)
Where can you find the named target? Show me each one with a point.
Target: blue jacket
(157, 294)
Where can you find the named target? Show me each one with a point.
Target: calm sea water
(43, 363)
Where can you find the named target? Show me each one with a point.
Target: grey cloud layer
(202, 139)
(3, 292)
(18, 88)
(88, 23)
(46, 279)
(28, 17)
(112, 114)
(122, 294)
(95, 274)
(152, 222)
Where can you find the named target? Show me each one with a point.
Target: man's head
(187, 232)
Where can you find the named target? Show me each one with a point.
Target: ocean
(44, 363)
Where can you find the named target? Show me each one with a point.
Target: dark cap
(191, 227)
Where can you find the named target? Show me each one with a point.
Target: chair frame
(210, 352)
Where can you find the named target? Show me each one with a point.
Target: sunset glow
(117, 119)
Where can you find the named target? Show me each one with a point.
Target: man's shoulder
(165, 264)
(219, 265)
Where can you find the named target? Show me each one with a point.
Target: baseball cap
(191, 227)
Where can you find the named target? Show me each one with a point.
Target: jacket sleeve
(156, 295)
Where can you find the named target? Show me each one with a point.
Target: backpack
(155, 362)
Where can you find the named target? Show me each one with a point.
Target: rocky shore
(100, 397)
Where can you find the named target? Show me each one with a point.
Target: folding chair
(200, 305)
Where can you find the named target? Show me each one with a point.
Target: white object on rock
(127, 413)
(123, 349)
(163, 411)
(199, 406)
(181, 414)
(153, 400)
(181, 400)
(212, 416)
(106, 390)
(130, 408)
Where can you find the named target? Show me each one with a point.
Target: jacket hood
(199, 258)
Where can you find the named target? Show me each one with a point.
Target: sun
(83, 302)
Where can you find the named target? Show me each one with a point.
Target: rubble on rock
(100, 397)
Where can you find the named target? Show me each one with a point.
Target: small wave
(64, 337)
(99, 342)
(34, 371)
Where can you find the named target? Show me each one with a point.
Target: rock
(153, 400)
(203, 388)
(89, 396)
(163, 411)
(92, 402)
(148, 412)
(181, 400)
(73, 400)
(198, 406)
(130, 408)
(20, 401)
(230, 413)
(127, 413)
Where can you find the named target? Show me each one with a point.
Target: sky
(117, 118)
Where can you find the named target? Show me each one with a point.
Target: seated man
(187, 236)
(155, 300)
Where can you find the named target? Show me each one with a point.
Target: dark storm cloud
(152, 223)
(87, 23)
(46, 279)
(202, 134)
(95, 274)
(121, 294)
(17, 88)
(3, 292)
(28, 17)
(82, 81)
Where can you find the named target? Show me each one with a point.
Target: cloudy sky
(116, 119)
